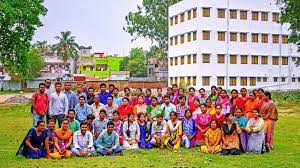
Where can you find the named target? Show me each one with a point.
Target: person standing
(70, 95)
(168, 107)
(99, 124)
(48, 89)
(103, 94)
(82, 109)
(117, 100)
(96, 107)
(79, 93)
(181, 107)
(74, 124)
(58, 105)
(40, 102)
(90, 96)
(110, 107)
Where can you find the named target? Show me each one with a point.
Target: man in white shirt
(96, 107)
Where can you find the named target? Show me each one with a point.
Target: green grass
(16, 120)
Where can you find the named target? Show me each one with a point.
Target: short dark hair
(116, 112)
(81, 97)
(174, 85)
(174, 113)
(102, 84)
(159, 116)
(191, 88)
(187, 111)
(47, 79)
(227, 115)
(65, 119)
(202, 89)
(149, 90)
(213, 87)
(203, 104)
(111, 85)
(57, 83)
(167, 96)
(116, 89)
(84, 123)
(126, 98)
(90, 88)
(51, 120)
(71, 110)
(110, 123)
(127, 88)
(155, 98)
(103, 111)
(182, 97)
(90, 117)
(140, 89)
(39, 122)
(110, 97)
(42, 84)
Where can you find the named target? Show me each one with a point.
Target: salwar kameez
(189, 130)
(257, 137)
(202, 121)
(175, 132)
(145, 132)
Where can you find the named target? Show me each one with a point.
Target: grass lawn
(17, 120)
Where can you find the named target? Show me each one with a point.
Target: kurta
(256, 138)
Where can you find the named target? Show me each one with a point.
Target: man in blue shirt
(82, 109)
(103, 94)
(108, 141)
(70, 95)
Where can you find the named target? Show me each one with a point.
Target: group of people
(93, 124)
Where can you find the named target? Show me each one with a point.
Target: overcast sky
(96, 23)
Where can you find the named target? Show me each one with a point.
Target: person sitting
(230, 138)
(218, 116)
(189, 130)
(140, 107)
(168, 107)
(89, 119)
(32, 146)
(82, 109)
(158, 131)
(125, 108)
(74, 124)
(100, 123)
(131, 132)
(212, 138)
(174, 132)
(108, 141)
(154, 109)
(145, 132)
(257, 137)
(242, 122)
(49, 139)
(83, 144)
(62, 141)
(118, 126)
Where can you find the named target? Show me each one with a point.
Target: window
(282, 79)
(221, 13)
(220, 81)
(176, 60)
(244, 59)
(189, 79)
(258, 79)
(265, 79)
(195, 13)
(264, 38)
(275, 17)
(189, 38)
(275, 38)
(264, 16)
(189, 59)
(254, 15)
(275, 60)
(285, 60)
(205, 81)
(171, 61)
(243, 81)
(176, 80)
(182, 60)
(221, 36)
(298, 79)
(264, 60)
(205, 35)
(194, 80)
(293, 79)
(243, 15)
(206, 12)
(252, 81)
(233, 59)
(275, 79)
(254, 59)
(194, 36)
(205, 58)
(221, 58)
(232, 81)
(176, 19)
(189, 15)
(233, 14)
(182, 38)
(284, 39)
(182, 17)
(243, 37)
(255, 38)
(233, 36)
(171, 21)
(171, 41)
(195, 59)
(294, 59)
(176, 40)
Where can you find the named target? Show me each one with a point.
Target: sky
(96, 23)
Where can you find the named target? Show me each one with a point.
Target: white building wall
(214, 47)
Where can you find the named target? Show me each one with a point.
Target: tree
(36, 62)
(151, 22)
(136, 64)
(18, 21)
(123, 66)
(67, 47)
(41, 46)
(290, 14)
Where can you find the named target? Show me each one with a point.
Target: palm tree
(41, 46)
(67, 47)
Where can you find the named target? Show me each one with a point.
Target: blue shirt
(168, 109)
(77, 97)
(107, 141)
(71, 98)
(242, 121)
(82, 112)
(103, 97)
(118, 101)
(58, 104)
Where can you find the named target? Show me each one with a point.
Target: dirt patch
(15, 98)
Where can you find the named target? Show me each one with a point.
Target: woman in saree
(242, 122)
(257, 137)
(250, 105)
(140, 107)
(191, 98)
(118, 126)
(202, 124)
(153, 110)
(233, 99)
(125, 108)
(270, 115)
(63, 138)
(212, 138)
(230, 138)
(218, 116)
(242, 99)
(134, 100)
(145, 132)
(173, 132)
(197, 109)
(210, 107)
(171, 94)
(32, 146)
(189, 130)
(148, 97)
(224, 101)
(180, 93)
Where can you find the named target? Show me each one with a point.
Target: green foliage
(124, 63)
(18, 21)
(136, 63)
(150, 21)
(35, 62)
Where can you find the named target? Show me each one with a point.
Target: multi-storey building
(230, 43)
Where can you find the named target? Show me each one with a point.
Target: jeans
(37, 117)
(59, 118)
(102, 151)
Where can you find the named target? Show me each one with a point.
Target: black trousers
(233, 151)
